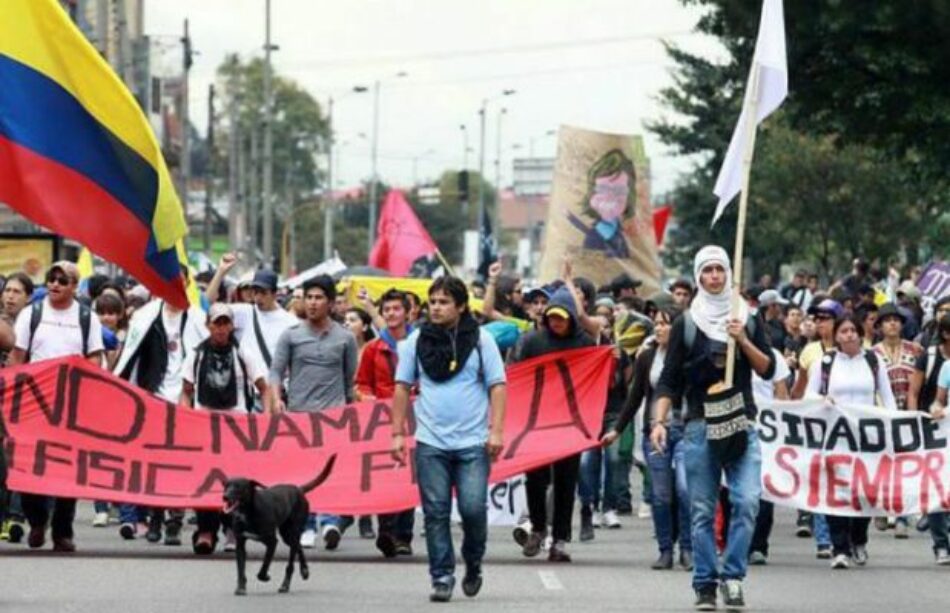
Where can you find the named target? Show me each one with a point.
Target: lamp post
(481, 162)
(374, 177)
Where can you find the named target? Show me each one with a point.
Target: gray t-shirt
(321, 366)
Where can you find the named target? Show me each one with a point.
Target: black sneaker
(173, 535)
(154, 533)
(664, 562)
(803, 525)
(732, 596)
(17, 532)
(706, 599)
(472, 582)
(441, 591)
(386, 545)
(532, 546)
(686, 560)
(403, 548)
(127, 531)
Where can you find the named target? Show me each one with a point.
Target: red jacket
(376, 375)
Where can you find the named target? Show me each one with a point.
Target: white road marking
(549, 580)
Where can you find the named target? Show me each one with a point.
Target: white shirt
(170, 388)
(273, 323)
(764, 391)
(58, 333)
(851, 381)
(255, 370)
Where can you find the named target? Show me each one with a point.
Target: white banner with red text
(854, 460)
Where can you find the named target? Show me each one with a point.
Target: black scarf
(217, 377)
(443, 352)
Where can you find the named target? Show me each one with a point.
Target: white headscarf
(711, 311)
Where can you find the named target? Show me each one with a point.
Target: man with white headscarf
(720, 434)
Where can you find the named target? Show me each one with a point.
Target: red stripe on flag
(95, 218)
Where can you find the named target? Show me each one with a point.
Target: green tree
(867, 84)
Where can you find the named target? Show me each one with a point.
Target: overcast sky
(597, 64)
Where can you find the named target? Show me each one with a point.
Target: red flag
(401, 238)
(661, 216)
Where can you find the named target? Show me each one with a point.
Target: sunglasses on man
(59, 280)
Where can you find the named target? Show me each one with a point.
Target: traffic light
(463, 185)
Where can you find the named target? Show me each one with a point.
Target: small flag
(770, 71)
(401, 237)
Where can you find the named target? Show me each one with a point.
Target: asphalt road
(609, 574)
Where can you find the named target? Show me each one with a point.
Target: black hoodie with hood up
(542, 341)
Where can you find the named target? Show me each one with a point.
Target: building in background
(524, 209)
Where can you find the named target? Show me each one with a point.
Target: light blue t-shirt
(943, 379)
(453, 414)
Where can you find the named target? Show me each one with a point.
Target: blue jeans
(132, 514)
(703, 475)
(822, 532)
(326, 519)
(668, 480)
(438, 471)
(599, 485)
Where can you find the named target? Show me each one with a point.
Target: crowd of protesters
(255, 346)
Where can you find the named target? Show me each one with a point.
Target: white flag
(769, 65)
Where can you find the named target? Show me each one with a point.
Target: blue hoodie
(542, 341)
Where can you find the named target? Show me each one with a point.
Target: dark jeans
(37, 511)
(563, 475)
(846, 532)
(398, 525)
(11, 505)
(438, 472)
(599, 484)
(938, 530)
(763, 527)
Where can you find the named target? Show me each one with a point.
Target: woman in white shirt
(849, 374)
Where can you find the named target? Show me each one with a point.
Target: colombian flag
(76, 153)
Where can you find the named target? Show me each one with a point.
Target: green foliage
(860, 145)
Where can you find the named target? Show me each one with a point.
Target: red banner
(74, 430)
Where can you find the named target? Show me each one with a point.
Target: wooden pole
(751, 124)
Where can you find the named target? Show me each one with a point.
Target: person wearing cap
(159, 338)
(535, 301)
(559, 331)
(772, 309)
(257, 326)
(624, 286)
(56, 327)
(219, 375)
(825, 313)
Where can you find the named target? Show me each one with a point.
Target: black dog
(261, 512)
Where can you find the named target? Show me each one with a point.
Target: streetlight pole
(497, 215)
(268, 203)
(464, 130)
(481, 166)
(328, 201)
(373, 196)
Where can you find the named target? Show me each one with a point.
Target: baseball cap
(219, 310)
(532, 293)
(827, 306)
(67, 268)
(557, 311)
(265, 279)
(770, 297)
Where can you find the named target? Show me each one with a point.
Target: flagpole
(448, 267)
(751, 125)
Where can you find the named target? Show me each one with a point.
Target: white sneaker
(943, 557)
(597, 520)
(611, 520)
(841, 562)
(644, 511)
(308, 539)
(101, 520)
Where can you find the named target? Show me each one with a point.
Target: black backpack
(829, 358)
(85, 323)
